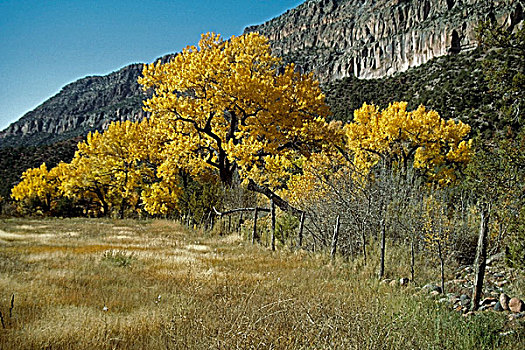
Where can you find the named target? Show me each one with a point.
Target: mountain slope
(333, 38)
(84, 105)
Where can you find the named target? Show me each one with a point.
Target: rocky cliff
(84, 105)
(376, 38)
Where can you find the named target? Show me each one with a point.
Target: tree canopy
(402, 138)
(230, 105)
(38, 185)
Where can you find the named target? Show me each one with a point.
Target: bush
(515, 249)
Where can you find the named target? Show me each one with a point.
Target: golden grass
(103, 284)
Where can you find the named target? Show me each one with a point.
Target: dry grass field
(107, 284)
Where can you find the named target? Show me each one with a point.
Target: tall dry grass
(103, 284)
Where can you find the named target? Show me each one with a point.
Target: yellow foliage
(38, 184)
(397, 137)
(228, 105)
(318, 175)
(114, 167)
(400, 138)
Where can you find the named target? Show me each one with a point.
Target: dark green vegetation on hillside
(14, 161)
(456, 86)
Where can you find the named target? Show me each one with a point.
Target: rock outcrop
(84, 105)
(376, 38)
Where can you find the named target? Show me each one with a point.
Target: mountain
(333, 38)
(84, 105)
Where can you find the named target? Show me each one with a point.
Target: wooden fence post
(254, 233)
(481, 258)
(301, 228)
(335, 237)
(272, 214)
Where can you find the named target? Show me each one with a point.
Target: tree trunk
(226, 169)
(123, 202)
(442, 267)
(100, 195)
(363, 237)
(122, 208)
(481, 257)
(105, 208)
(240, 223)
(280, 202)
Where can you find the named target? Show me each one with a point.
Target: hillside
(455, 86)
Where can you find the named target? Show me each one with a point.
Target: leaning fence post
(481, 258)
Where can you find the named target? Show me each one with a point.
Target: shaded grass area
(102, 284)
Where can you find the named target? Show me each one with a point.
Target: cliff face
(87, 104)
(376, 38)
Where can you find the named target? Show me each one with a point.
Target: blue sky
(45, 44)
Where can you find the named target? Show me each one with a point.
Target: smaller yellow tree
(38, 189)
(112, 168)
(161, 196)
(401, 138)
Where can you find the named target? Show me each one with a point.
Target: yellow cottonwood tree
(317, 178)
(230, 105)
(400, 138)
(40, 186)
(395, 136)
(113, 168)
